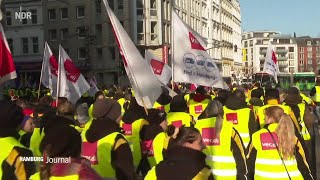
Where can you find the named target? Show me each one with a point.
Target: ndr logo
(21, 15)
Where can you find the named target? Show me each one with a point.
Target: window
(8, 18)
(25, 47)
(309, 55)
(291, 63)
(80, 12)
(112, 53)
(309, 43)
(154, 30)
(301, 56)
(291, 70)
(140, 30)
(81, 32)
(10, 44)
(98, 6)
(64, 13)
(25, 20)
(301, 63)
(82, 53)
(120, 4)
(64, 33)
(291, 49)
(309, 61)
(309, 49)
(53, 35)
(52, 14)
(301, 50)
(34, 16)
(153, 7)
(35, 44)
(139, 7)
(99, 52)
(291, 56)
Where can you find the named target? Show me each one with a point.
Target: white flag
(192, 64)
(72, 83)
(145, 85)
(160, 69)
(271, 63)
(94, 89)
(49, 72)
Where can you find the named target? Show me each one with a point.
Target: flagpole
(172, 46)
(40, 79)
(59, 75)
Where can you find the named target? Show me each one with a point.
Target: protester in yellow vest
(104, 145)
(132, 121)
(153, 140)
(98, 95)
(11, 150)
(26, 129)
(184, 159)
(315, 94)
(275, 151)
(238, 112)
(223, 96)
(61, 147)
(198, 102)
(163, 102)
(225, 150)
(255, 101)
(178, 115)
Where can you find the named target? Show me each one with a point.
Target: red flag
(7, 67)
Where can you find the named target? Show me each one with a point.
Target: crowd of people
(247, 132)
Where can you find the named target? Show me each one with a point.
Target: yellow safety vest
(90, 111)
(121, 101)
(155, 147)
(304, 130)
(7, 144)
(316, 96)
(218, 149)
(132, 134)
(196, 108)
(179, 119)
(202, 175)
(36, 176)
(307, 99)
(165, 108)
(187, 98)
(21, 133)
(240, 119)
(261, 115)
(99, 153)
(268, 164)
(35, 141)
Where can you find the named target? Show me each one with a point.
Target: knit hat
(178, 104)
(106, 108)
(156, 116)
(82, 113)
(11, 115)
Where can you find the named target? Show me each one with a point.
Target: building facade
(236, 37)
(25, 36)
(308, 54)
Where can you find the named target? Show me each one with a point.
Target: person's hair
(285, 130)
(185, 135)
(66, 108)
(239, 94)
(98, 94)
(272, 94)
(215, 109)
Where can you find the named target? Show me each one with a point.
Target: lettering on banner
(89, 151)
(198, 109)
(177, 123)
(209, 137)
(145, 145)
(267, 142)
(195, 44)
(232, 117)
(127, 129)
(157, 66)
(72, 72)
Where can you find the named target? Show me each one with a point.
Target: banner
(271, 63)
(49, 72)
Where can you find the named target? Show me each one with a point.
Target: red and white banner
(7, 67)
(271, 63)
(49, 72)
(192, 64)
(161, 70)
(145, 85)
(72, 83)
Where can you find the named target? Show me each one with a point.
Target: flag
(94, 89)
(160, 69)
(49, 72)
(192, 64)
(145, 85)
(271, 63)
(7, 67)
(72, 83)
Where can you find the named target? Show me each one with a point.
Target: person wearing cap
(154, 140)
(12, 167)
(178, 115)
(104, 145)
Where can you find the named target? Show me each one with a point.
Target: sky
(285, 16)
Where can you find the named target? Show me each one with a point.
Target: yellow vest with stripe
(316, 96)
(196, 108)
(121, 101)
(240, 119)
(7, 144)
(268, 164)
(218, 150)
(131, 132)
(261, 115)
(36, 176)
(179, 119)
(156, 147)
(202, 175)
(165, 108)
(99, 153)
(35, 141)
(304, 130)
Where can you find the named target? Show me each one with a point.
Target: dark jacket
(256, 102)
(121, 157)
(181, 163)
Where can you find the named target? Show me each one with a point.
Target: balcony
(282, 51)
(282, 58)
(283, 65)
(262, 58)
(263, 52)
